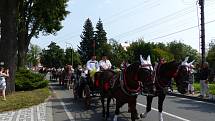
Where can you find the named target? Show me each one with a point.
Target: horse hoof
(143, 115)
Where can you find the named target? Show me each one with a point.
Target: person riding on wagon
(92, 67)
(105, 64)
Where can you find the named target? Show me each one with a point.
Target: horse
(127, 90)
(164, 75)
(104, 81)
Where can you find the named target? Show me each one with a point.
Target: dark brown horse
(164, 75)
(124, 91)
(105, 80)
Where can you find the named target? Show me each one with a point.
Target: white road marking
(68, 113)
(172, 115)
(194, 100)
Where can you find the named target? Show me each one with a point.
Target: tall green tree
(33, 55)
(36, 16)
(102, 46)
(53, 56)
(87, 44)
(211, 55)
(8, 41)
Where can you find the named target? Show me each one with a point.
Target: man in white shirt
(93, 64)
(104, 64)
(92, 68)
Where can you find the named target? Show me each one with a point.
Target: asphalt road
(65, 108)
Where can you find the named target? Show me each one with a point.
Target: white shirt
(105, 64)
(92, 65)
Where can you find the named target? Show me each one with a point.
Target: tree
(139, 48)
(36, 16)
(211, 55)
(102, 47)
(159, 53)
(33, 55)
(180, 51)
(118, 54)
(8, 41)
(72, 57)
(87, 43)
(53, 57)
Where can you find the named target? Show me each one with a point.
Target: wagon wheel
(86, 96)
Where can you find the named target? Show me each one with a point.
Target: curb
(193, 98)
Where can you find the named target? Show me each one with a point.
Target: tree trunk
(22, 49)
(8, 42)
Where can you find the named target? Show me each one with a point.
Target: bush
(27, 80)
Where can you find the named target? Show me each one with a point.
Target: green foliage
(118, 53)
(139, 48)
(211, 55)
(33, 55)
(46, 15)
(87, 42)
(26, 80)
(102, 47)
(53, 57)
(158, 53)
(180, 51)
(211, 88)
(72, 57)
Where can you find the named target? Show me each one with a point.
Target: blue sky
(128, 20)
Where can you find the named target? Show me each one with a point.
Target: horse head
(182, 77)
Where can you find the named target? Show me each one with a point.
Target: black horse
(163, 79)
(124, 91)
(104, 81)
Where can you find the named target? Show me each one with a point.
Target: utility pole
(201, 4)
(94, 47)
(71, 52)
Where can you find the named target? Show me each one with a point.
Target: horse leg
(132, 106)
(148, 106)
(108, 105)
(103, 105)
(160, 106)
(118, 106)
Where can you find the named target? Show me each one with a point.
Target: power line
(180, 31)
(165, 18)
(157, 22)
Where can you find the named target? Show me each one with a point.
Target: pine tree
(86, 49)
(102, 47)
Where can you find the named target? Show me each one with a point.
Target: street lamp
(71, 50)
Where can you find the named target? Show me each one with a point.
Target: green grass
(211, 88)
(24, 99)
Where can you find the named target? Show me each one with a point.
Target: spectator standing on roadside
(4, 73)
(191, 72)
(204, 74)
